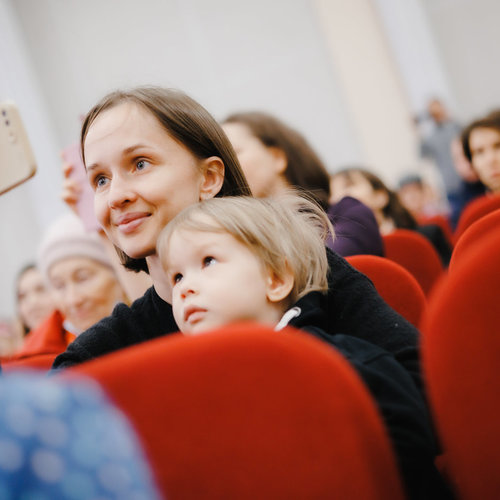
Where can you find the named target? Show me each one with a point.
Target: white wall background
(57, 57)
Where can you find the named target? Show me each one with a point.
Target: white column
(414, 51)
(371, 85)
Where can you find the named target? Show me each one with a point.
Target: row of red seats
(210, 409)
(227, 436)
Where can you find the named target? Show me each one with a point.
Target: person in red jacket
(83, 284)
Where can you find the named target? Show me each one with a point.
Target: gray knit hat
(67, 237)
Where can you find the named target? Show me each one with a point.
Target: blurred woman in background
(275, 158)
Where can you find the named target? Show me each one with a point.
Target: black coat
(400, 403)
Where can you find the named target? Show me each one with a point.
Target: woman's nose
(120, 192)
(73, 296)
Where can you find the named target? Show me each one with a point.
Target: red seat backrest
(247, 412)
(416, 254)
(473, 234)
(397, 286)
(461, 364)
(474, 210)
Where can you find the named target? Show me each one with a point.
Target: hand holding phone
(85, 203)
(17, 162)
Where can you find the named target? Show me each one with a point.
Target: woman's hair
(304, 170)
(491, 121)
(394, 209)
(287, 232)
(186, 121)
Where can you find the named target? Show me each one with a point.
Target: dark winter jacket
(400, 403)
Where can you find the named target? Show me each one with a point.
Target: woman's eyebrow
(125, 152)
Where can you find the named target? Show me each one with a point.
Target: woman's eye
(208, 261)
(177, 278)
(141, 164)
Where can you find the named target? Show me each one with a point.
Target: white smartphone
(85, 205)
(17, 162)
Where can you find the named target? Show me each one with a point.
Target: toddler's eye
(177, 278)
(100, 181)
(208, 261)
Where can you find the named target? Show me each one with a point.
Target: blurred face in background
(34, 301)
(484, 144)
(263, 166)
(85, 290)
(356, 185)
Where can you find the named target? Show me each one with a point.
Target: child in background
(237, 259)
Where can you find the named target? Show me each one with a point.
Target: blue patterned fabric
(64, 440)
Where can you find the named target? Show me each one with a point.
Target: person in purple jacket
(275, 158)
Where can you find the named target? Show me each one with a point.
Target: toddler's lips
(193, 314)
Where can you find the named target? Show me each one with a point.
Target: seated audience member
(185, 158)
(84, 287)
(34, 300)
(481, 145)
(388, 209)
(34, 304)
(419, 197)
(242, 259)
(65, 440)
(275, 157)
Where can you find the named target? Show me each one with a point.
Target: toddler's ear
(279, 287)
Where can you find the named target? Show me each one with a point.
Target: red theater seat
(473, 234)
(416, 254)
(461, 360)
(476, 209)
(248, 413)
(397, 286)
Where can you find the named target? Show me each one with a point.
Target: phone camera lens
(7, 122)
(4, 113)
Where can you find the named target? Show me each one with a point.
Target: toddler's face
(215, 280)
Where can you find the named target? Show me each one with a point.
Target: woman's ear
(279, 287)
(280, 159)
(213, 177)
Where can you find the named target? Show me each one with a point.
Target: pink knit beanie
(67, 237)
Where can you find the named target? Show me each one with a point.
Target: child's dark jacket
(402, 406)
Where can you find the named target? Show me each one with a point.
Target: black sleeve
(148, 317)
(354, 307)
(405, 415)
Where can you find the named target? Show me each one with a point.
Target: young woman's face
(85, 290)
(261, 165)
(484, 144)
(34, 300)
(141, 176)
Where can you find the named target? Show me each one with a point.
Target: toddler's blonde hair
(287, 232)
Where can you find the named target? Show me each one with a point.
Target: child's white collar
(287, 317)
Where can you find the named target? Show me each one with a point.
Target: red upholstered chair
(416, 254)
(475, 210)
(461, 363)
(247, 413)
(397, 286)
(473, 234)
